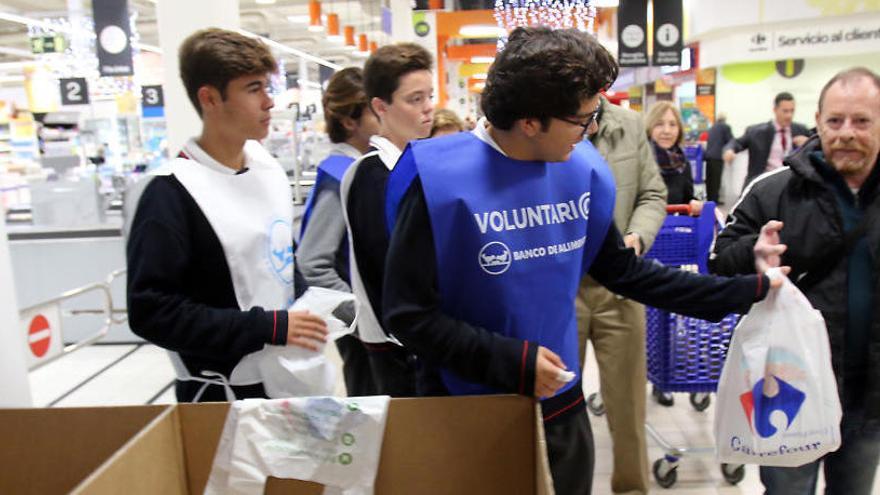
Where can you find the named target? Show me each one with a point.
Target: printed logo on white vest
(495, 258)
(280, 250)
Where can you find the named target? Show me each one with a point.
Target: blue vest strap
(332, 168)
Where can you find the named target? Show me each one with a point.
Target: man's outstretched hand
(768, 251)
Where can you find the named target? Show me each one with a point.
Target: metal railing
(112, 316)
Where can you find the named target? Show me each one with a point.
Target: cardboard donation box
(446, 445)
(45, 451)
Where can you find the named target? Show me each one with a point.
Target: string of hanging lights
(555, 14)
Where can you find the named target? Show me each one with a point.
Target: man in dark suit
(719, 135)
(770, 142)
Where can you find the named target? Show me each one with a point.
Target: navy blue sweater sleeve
(649, 282)
(412, 311)
(180, 294)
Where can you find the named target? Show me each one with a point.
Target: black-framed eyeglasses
(593, 117)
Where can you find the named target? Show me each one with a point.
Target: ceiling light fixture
(333, 27)
(348, 31)
(315, 16)
(292, 51)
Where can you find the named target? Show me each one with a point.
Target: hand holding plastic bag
(292, 371)
(777, 397)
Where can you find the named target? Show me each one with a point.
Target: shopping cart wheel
(662, 398)
(733, 473)
(665, 473)
(595, 404)
(700, 401)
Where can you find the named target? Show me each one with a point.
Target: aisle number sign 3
(42, 330)
(152, 101)
(74, 91)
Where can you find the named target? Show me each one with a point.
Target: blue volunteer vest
(512, 238)
(333, 167)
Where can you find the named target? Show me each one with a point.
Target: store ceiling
(268, 20)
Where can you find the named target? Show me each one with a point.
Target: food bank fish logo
(758, 406)
(280, 250)
(495, 258)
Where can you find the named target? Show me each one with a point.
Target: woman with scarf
(663, 124)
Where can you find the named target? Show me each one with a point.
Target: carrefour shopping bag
(777, 397)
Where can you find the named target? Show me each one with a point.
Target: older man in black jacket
(770, 142)
(827, 202)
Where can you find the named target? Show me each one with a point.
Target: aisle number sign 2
(42, 330)
(74, 91)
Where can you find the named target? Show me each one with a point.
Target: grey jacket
(641, 194)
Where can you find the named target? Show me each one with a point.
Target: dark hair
(344, 97)
(213, 57)
(383, 69)
(848, 76)
(784, 96)
(544, 73)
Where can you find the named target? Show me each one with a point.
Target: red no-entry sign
(39, 335)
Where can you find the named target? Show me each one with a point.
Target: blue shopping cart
(686, 354)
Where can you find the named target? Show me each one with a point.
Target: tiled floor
(143, 372)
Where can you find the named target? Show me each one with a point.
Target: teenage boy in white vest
(210, 246)
(399, 87)
(493, 229)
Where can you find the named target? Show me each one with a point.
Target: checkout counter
(71, 236)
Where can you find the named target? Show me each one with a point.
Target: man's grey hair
(847, 76)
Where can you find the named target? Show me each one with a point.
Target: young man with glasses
(493, 229)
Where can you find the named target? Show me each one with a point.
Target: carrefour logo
(772, 393)
(280, 250)
(495, 258)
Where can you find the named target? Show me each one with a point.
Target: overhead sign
(667, 32)
(113, 37)
(828, 38)
(632, 22)
(42, 330)
(48, 44)
(152, 101)
(74, 91)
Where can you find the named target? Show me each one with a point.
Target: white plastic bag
(293, 371)
(777, 397)
(332, 441)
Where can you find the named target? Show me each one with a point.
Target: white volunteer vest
(369, 327)
(251, 213)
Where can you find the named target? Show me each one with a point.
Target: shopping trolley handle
(679, 209)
